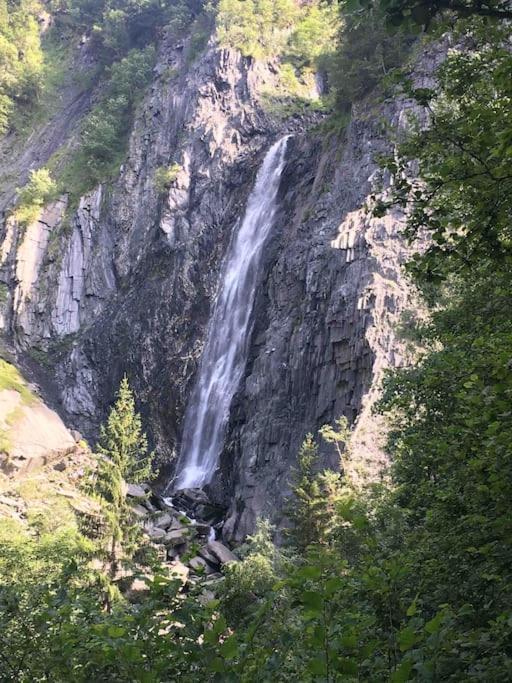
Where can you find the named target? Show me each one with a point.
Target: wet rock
(202, 529)
(189, 498)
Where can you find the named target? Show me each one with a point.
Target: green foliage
(122, 457)
(119, 27)
(40, 189)
(105, 131)
(314, 35)
(465, 160)
(412, 582)
(21, 57)
(315, 496)
(421, 12)
(338, 435)
(38, 578)
(248, 582)
(165, 176)
(366, 54)
(258, 28)
(11, 379)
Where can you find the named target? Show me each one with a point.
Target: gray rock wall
(127, 284)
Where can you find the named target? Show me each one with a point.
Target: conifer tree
(122, 456)
(315, 495)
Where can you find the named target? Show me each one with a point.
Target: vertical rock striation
(126, 282)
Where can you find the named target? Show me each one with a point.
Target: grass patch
(10, 379)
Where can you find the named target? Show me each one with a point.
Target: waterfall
(225, 353)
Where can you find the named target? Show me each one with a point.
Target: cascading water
(225, 353)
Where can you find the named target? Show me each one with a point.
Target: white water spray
(225, 353)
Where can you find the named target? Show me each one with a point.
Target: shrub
(106, 129)
(165, 176)
(40, 189)
(21, 57)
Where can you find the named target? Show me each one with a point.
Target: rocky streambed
(183, 530)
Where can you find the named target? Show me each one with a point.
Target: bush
(40, 189)
(165, 176)
(106, 129)
(21, 57)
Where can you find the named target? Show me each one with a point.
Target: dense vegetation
(409, 580)
(21, 56)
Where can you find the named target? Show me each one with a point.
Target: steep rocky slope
(127, 284)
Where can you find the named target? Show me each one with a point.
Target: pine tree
(122, 456)
(339, 436)
(314, 499)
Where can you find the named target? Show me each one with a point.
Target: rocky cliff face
(127, 284)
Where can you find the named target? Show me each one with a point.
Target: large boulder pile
(183, 529)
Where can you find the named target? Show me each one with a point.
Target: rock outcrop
(31, 434)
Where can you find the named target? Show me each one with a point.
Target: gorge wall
(127, 283)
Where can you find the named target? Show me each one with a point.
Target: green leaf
(313, 600)
(407, 638)
(217, 665)
(317, 666)
(309, 573)
(333, 585)
(116, 631)
(434, 624)
(412, 609)
(401, 675)
(229, 647)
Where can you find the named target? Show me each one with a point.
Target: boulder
(173, 553)
(200, 566)
(223, 554)
(177, 522)
(178, 570)
(189, 498)
(207, 555)
(138, 588)
(156, 534)
(147, 504)
(163, 520)
(140, 511)
(136, 490)
(177, 536)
